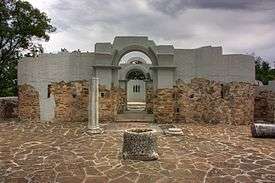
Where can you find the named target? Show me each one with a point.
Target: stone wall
(241, 99)
(71, 100)
(164, 106)
(121, 94)
(201, 101)
(28, 107)
(264, 106)
(205, 101)
(111, 102)
(149, 99)
(8, 107)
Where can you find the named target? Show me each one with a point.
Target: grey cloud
(174, 7)
(240, 26)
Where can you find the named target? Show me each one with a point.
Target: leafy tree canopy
(264, 73)
(20, 25)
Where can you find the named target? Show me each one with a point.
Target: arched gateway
(150, 76)
(108, 57)
(54, 87)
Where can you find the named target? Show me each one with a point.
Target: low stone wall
(149, 100)
(264, 105)
(241, 100)
(205, 101)
(164, 106)
(28, 103)
(201, 101)
(121, 103)
(111, 102)
(71, 100)
(8, 107)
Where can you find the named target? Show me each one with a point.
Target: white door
(136, 91)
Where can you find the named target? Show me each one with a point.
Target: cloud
(240, 26)
(177, 6)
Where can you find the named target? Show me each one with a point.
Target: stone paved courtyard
(62, 152)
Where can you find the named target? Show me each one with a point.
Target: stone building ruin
(176, 85)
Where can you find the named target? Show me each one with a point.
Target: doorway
(136, 97)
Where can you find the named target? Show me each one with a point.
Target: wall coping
(107, 66)
(163, 67)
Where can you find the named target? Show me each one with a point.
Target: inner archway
(135, 77)
(135, 57)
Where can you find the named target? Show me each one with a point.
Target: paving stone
(243, 178)
(220, 179)
(70, 179)
(96, 179)
(39, 152)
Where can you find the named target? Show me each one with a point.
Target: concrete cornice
(163, 67)
(107, 66)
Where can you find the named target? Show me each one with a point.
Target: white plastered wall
(208, 62)
(41, 71)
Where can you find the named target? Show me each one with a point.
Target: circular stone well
(140, 144)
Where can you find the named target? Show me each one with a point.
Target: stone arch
(147, 51)
(129, 61)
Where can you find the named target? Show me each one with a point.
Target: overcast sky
(240, 26)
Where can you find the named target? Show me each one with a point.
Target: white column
(93, 125)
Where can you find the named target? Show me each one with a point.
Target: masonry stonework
(8, 107)
(201, 101)
(204, 101)
(28, 108)
(111, 102)
(264, 106)
(241, 101)
(164, 106)
(71, 100)
(149, 100)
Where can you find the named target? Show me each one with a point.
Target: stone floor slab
(63, 152)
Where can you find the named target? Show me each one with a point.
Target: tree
(264, 73)
(20, 25)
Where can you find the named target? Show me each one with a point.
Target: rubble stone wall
(149, 99)
(264, 106)
(201, 101)
(8, 107)
(111, 102)
(205, 101)
(28, 103)
(164, 106)
(71, 100)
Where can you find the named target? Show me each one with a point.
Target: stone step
(136, 106)
(130, 116)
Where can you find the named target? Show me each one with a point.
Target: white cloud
(239, 26)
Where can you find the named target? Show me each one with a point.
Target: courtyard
(63, 152)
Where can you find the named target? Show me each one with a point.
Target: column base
(95, 131)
